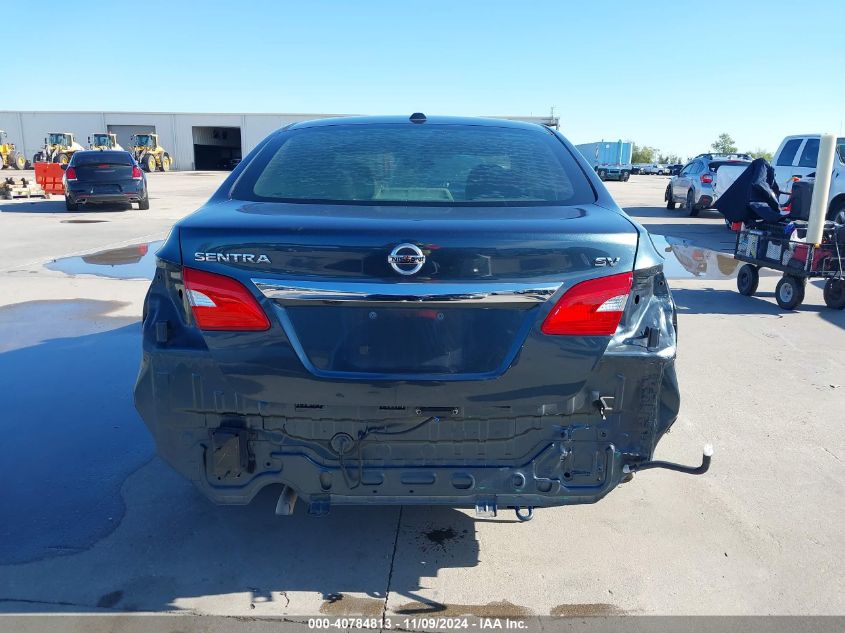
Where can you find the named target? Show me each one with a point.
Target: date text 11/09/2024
(418, 623)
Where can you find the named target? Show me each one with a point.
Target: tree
(642, 154)
(669, 159)
(724, 144)
(761, 153)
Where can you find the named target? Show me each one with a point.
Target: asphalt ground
(92, 522)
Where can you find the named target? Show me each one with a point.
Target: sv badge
(606, 261)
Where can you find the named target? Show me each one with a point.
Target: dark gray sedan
(410, 311)
(104, 176)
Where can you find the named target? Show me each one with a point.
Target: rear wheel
(18, 161)
(789, 292)
(670, 202)
(602, 174)
(150, 162)
(834, 293)
(691, 204)
(71, 206)
(165, 162)
(62, 158)
(747, 280)
(144, 203)
(625, 176)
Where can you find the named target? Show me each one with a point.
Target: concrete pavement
(92, 521)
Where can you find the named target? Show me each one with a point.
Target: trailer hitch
(689, 470)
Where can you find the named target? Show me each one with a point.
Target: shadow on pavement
(57, 206)
(712, 301)
(91, 520)
(34, 206)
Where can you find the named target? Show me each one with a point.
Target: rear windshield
(102, 158)
(715, 164)
(428, 164)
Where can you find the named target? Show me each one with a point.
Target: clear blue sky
(668, 74)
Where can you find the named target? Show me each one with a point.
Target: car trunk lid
(341, 313)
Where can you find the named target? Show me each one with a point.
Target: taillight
(591, 308)
(136, 172)
(222, 303)
(70, 173)
(706, 179)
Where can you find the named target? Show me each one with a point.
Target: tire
(625, 176)
(789, 292)
(62, 158)
(837, 212)
(670, 203)
(602, 174)
(690, 204)
(71, 206)
(165, 162)
(148, 162)
(144, 203)
(17, 160)
(747, 280)
(834, 293)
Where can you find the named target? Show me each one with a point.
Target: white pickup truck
(796, 158)
(655, 169)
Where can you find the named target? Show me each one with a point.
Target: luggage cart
(767, 247)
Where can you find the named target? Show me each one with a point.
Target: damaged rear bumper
(456, 457)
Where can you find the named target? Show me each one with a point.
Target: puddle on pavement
(684, 260)
(136, 261)
(66, 454)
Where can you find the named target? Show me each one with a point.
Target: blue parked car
(409, 311)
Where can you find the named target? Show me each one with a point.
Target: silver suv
(703, 180)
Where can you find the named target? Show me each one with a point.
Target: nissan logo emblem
(406, 259)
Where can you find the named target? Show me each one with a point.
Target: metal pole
(821, 189)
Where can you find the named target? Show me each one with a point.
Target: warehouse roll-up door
(124, 133)
(216, 147)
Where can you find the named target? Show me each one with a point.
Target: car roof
(396, 120)
(102, 152)
(716, 156)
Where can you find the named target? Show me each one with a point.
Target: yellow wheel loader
(9, 157)
(58, 148)
(149, 154)
(104, 141)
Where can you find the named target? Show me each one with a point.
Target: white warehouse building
(194, 140)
